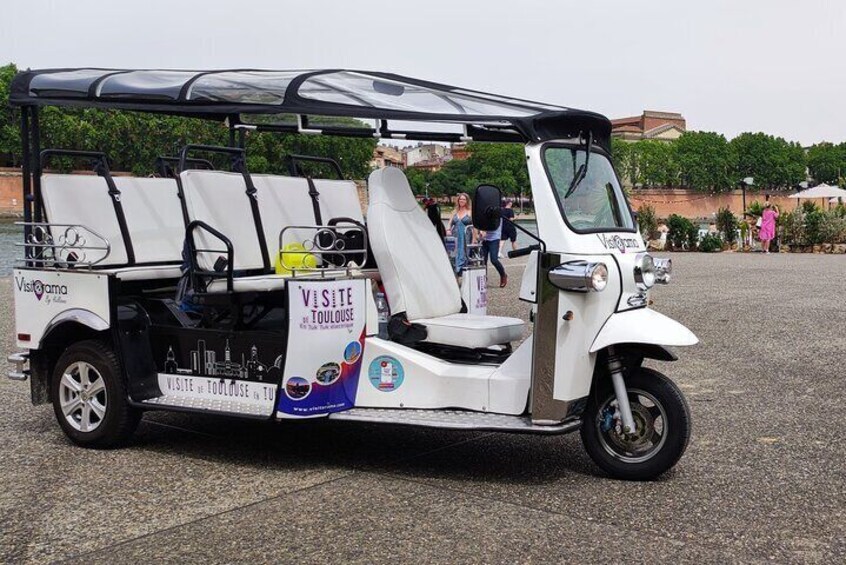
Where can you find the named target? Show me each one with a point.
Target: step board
(209, 405)
(452, 419)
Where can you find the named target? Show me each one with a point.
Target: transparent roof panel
(358, 89)
(153, 85)
(74, 84)
(242, 87)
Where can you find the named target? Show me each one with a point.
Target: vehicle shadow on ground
(402, 450)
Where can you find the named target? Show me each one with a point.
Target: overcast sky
(730, 66)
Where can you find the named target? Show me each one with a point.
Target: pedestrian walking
(509, 232)
(490, 249)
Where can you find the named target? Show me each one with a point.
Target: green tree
(705, 161)
(827, 162)
(654, 164)
(774, 162)
(622, 155)
(10, 144)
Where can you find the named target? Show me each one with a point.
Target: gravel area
(763, 479)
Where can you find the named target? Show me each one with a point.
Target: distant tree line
(133, 140)
(708, 162)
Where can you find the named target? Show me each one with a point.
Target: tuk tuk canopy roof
(223, 94)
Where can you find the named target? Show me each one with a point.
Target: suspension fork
(615, 368)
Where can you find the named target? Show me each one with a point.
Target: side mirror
(486, 207)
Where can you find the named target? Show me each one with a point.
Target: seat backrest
(219, 199)
(338, 199)
(283, 202)
(412, 260)
(154, 217)
(84, 200)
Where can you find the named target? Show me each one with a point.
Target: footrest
(453, 419)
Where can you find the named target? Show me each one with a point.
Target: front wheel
(662, 421)
(89, 397)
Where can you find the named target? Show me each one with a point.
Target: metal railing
(62, 246)
(322, 249)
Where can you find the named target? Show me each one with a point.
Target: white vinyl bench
(153, 217)
(219, 200)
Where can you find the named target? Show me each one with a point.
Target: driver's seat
(416, 271)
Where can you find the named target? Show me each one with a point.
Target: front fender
(642, 326)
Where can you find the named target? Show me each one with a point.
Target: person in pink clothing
(768, 226)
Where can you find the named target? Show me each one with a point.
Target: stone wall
(11, 204)
(692, 204)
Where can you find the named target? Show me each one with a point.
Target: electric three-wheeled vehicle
(225, 291)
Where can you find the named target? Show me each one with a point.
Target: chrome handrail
(56, 250)
(325, 244)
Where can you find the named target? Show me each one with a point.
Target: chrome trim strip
(543, 407)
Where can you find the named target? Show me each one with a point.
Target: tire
(89, 396)
(656, 401)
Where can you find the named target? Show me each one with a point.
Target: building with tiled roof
(663, 126)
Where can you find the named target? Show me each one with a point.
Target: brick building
(663, 126)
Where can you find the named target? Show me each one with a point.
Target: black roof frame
(542, 123)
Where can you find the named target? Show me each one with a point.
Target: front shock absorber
(615, 368)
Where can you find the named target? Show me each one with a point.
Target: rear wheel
(89, 397)
(662, 422)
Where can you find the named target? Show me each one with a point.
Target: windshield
(596, 202)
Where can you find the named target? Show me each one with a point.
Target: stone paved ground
(764, 478)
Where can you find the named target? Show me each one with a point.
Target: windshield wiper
(582, 172)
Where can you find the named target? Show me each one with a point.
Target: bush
(812, 228)
(755, 209)
(792, 228)
(727, 225)
(647, 222)
(682, 233)
(711, 243)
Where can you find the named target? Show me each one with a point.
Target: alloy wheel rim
(82, 396)
(651, 428)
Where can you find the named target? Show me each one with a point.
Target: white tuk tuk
(259, 295)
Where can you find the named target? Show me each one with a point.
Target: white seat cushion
(146, 272)
(258, 283)
(471, 330)
(338, 199)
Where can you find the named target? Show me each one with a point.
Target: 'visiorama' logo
(617, 242)
(49, 292)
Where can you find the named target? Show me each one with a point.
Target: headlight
(580, 276)
(663, 269)
(644, 271)
(599, 277)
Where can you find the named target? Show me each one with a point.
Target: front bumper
(19, 359)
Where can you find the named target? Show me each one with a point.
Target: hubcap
(82, 396)
(650, 428)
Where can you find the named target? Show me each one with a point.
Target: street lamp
(744, 184)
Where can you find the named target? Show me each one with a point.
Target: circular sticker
(352, 352)
(328, 373)
(385, 373)
(297, 388)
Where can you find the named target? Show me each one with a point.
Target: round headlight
(663, 270)
(599, 277)
(644, 271)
